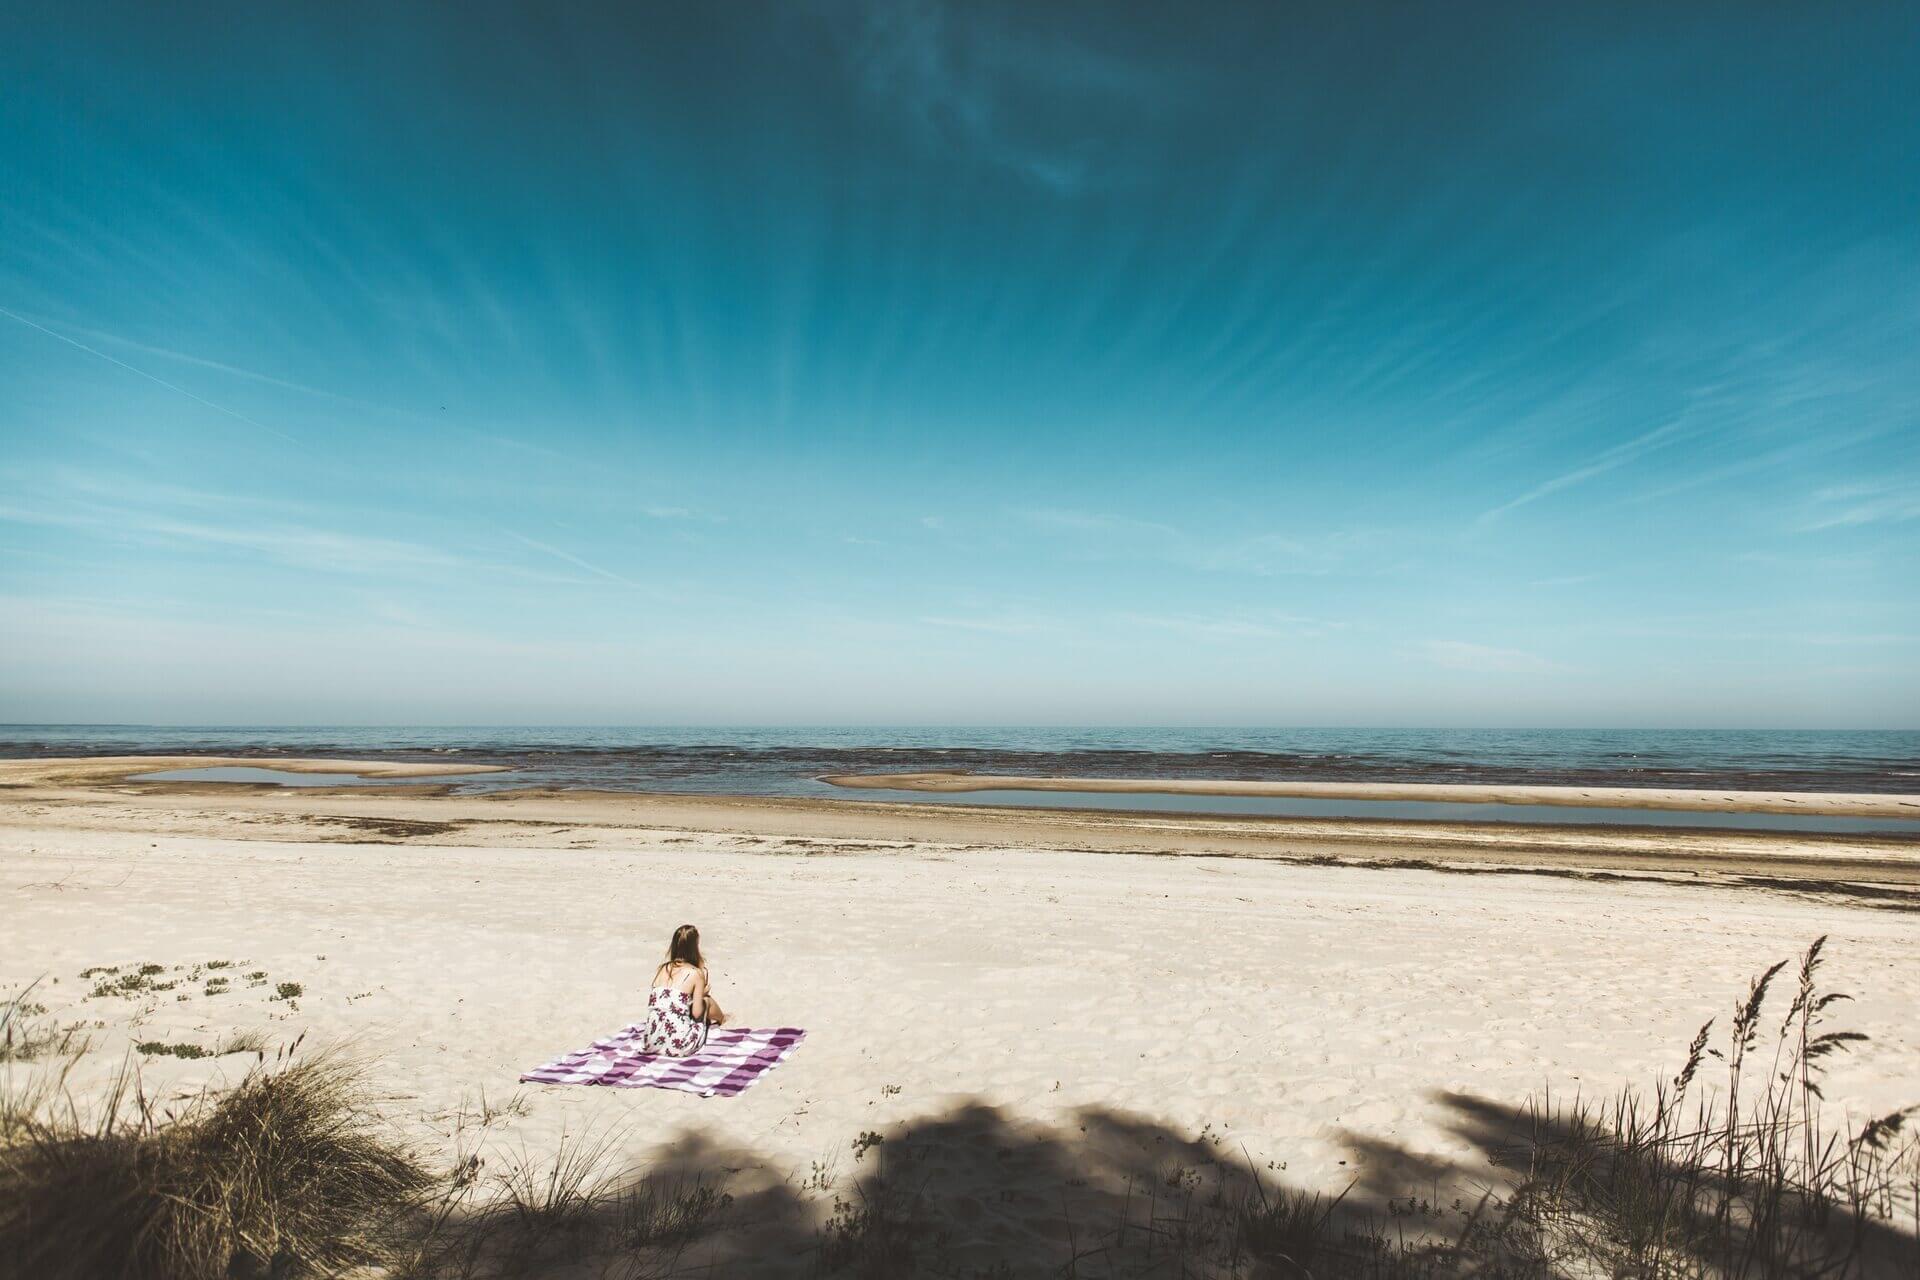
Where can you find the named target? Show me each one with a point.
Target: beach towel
(732, 1059)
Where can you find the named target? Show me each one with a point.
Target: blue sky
(911, 363)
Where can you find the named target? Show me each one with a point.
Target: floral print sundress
(671, 1028)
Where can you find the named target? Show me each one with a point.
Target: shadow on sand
(975, 1193)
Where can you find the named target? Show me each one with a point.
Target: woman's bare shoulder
(679, 975)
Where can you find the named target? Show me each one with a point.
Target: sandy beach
(1285, 992)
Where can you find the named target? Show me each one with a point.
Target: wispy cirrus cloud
(1266, 626)
(1611, 459)
(324, 549)
(1863, 640)
(1257, 625)
(1462, 655)
(130, 512)
(216, 366)
(994, 625)
(461, 425)
(1871, 502)
(1269, 555)
(1109, 536)
(577, 562)
(176, 389)
(957, 73)
(1097, 522)
(297, 545)
(668, 513)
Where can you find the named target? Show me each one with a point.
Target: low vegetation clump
(882, 1229)
(285, 1173)
(541, 1218)
(160, 1049)
(109, 981)
(134, 982)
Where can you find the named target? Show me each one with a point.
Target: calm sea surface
(787, 761)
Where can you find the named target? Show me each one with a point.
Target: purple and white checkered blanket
(732, 1059)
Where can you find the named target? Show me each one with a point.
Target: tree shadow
(968, 1193)
(976, 1193)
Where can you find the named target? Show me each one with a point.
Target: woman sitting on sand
(680, 1008)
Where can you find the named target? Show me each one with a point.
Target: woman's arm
(709, 1008)
(698, 990)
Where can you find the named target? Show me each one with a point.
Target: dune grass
(1747, 1180)
(288, 1170)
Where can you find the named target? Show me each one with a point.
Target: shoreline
(1806, 803)
(100, 770)
(104, 770)
(98, 794)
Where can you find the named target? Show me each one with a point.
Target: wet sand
(1826, 804)
(85, 770)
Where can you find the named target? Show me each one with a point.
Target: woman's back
(675, 1025)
